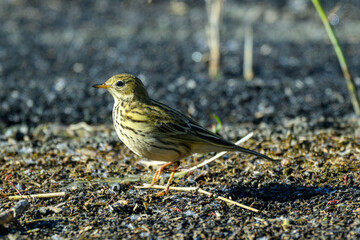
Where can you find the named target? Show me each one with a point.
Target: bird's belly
(150, 148)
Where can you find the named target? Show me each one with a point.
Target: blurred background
(52, 52)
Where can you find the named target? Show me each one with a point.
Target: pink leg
(166, 190)
(159, 171)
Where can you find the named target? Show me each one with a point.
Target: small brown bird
(158, 132)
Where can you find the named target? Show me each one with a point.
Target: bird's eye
(120, 83)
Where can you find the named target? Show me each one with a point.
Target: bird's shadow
(280, 192)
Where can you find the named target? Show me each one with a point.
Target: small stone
(117, 187)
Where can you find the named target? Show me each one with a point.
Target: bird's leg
(166, 190)
(159, 171)
(169, 182)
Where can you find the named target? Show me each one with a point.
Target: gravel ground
(56, 134)
(313, 192)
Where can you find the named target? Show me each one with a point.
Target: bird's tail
(248, 151)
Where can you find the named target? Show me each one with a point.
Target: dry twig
(42, 195)
(248, 54)
(214, 11)
(182, 173)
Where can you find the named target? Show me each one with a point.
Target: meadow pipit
(158, 132)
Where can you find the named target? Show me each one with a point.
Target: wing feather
(180, 126)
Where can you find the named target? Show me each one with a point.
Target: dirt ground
(56, 133)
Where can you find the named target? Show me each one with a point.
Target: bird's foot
(166, 190)
(160, 194)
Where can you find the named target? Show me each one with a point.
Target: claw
(160, 194)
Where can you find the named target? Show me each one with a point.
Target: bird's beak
(101, 86)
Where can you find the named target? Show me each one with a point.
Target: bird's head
(125, 87)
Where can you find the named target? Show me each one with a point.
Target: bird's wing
(175, 124)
